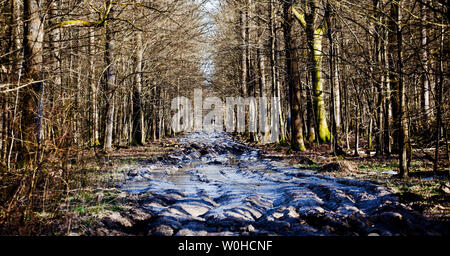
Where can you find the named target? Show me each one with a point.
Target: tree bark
(110, 85)
(138, 120)
(95, 140)
(274, 66)
(425, 99)
(32, 97)
(315, 34)
(293, 80)
(244, 51)
(402, 119)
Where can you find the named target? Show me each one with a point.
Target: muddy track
(219, 186)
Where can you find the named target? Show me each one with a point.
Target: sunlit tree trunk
(293, 80)
(244, 50)
(276, 90)
(95, 140)
(138, 120)
(32, 96)
(425, 99)
(315, 35)
(263, 131)
(335, 95)
(110, 86)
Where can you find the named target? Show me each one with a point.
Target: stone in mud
(138, 214)
(291, 213)
(328, 229)
(277, 215)
(301, 229)
(306, 161)
(189, 232)
(194, 146)
(171, 170)
(165, 220)
(154, 207)
(133, 173)
(247, 229)
(193, 155)
(193, 209)
(446, 188)
(161, 230)
(276, 225)
(386, 233)
(339, 166)
(170, 197)
(390, 219)
(204, 151)
(240, 213)
(116, 220)
(349, 210)
(310, 210)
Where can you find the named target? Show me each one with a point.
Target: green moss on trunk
(319, 105)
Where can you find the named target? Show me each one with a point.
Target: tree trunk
(381, 81)
(293, 80)
(388, 96)
(335, 96)
(244, 51)
(425, 99)
(32, 97)
(110, 86)
(274, 66)
(439, 96)
(336, 88)
(95, 140)
(261, 59)
(357, 121)
(402, 119)
(138, 120)
(314, 35)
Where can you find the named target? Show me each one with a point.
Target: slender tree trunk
(261, 59)
(439, 97)
(274, 66)
(293, 80)
(380, 78)
(138, 120)
(357, 122)
(244, 54)
(110, 85)
(315, 35)
(388, 96)
(336, 88)
(334, 84)
(394, 77)
(31, 102)
(402, 119)
(425, 101)
(310, 115)
(95, 140)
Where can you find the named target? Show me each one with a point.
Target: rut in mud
(219, 186)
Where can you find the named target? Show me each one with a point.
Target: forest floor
(215, 184)
(424, 191)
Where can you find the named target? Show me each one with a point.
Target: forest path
(218, 186)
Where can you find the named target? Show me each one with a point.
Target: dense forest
(357, 77)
